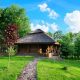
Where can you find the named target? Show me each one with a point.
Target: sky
(50, 15)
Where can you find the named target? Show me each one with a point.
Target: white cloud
(51, 13)
(43, 7)
(73, 21)
(54, 27)
(39, 26)
(44, 26)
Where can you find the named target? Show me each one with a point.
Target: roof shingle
(38, 36)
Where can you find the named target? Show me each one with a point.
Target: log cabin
(37, 43)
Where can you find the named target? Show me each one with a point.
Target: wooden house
(37, 43)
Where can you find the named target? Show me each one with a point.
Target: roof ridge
(37, 31)
(36, 37)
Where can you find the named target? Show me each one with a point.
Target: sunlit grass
(52, 70)
(12, 70)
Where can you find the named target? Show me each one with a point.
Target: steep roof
(37, 31)
(37, 36)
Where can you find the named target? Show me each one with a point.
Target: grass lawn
(12, 71)
(52, 70)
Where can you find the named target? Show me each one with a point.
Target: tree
(13, 15)
(50, 34)
(77, 45)
(64, 47)
(11, 35)
(67, 45)
(57, 35)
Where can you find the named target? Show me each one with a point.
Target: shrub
(65, 68)
(11, 51)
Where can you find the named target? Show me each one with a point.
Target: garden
(48, 69)
(14, 24)
(10, 70)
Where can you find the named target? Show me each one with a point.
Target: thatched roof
(38, 36)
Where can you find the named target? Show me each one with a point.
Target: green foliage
(11, 51)
(13, 15)
(66, 45)
(50, 34)
(57, 35)
(65, 68)
(77, 45)
(70, 43)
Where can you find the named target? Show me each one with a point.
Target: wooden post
(40, 51)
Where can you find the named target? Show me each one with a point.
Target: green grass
(48, 69)
(16, 65)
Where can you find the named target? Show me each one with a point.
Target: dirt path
(29, 72)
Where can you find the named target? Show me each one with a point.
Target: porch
(38, 49)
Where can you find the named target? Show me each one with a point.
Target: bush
(65, 68)
(11, 51)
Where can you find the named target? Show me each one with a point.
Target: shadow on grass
(18, 58)
(55, 70)
(70, 63)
